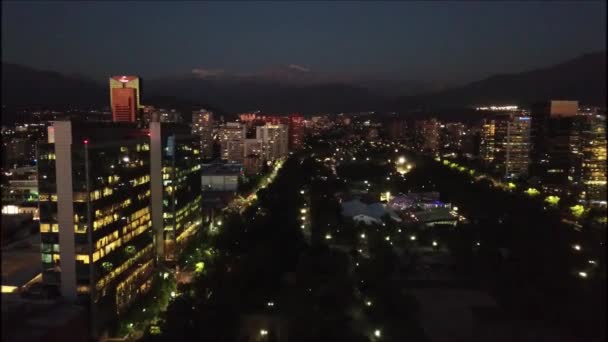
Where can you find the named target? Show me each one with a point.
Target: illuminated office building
(176, 187)
(274, 140)
(452, 138)
(232, 140)
(512, 145)
(594, 159)
(486, 143)
(556, 155)
(125, 98)
(95, 215)
(202, 127)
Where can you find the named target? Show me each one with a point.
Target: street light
(577, 247)
(363, 236)
(413, 237)
(434, 243)
(368, 303)
(263, 332)
(303, 211)
(377, 333)
(582, 274)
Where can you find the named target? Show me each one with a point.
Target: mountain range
(294, 88)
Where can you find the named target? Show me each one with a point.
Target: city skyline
(264, 181)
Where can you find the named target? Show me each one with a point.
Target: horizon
(398, 41)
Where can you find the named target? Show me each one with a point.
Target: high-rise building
(202, 127)
(486, 143)
(125, 98)
(95, 216)
(512, 145)
(296, 131)
(176, 187)
(556, 155)
(452, 138)
(274, 141)
(232, 139)
(594, 159)
(428, 135)
(505, 144)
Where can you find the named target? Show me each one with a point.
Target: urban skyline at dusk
(287, 171)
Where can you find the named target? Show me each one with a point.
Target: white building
(232, 140)
(274, 140)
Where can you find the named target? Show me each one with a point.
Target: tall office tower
(232, 138)
(296, 131)
(125, 98)
(486, 143)
(512, 145)
(594, 159)
(555, 153)
(452, 137)
(176, 188)
(274, 140)
(202, 127)
(95, 220)
(397, 129)
(427, 134)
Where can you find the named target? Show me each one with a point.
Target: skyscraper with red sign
(124, 98)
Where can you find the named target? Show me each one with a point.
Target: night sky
(441, 41)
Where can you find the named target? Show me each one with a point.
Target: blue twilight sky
(429, 40)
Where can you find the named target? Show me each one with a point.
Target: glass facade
(182, 197)
(594, 159)
(113, 239)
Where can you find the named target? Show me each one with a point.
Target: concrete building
(274, 141)
(232, 141)
(221, 177)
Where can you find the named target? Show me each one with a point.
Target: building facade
(232, 140)
(176, 183)
(95, 215)
(594, 159)
(125, 98)
(202, 127)
(274, 140)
